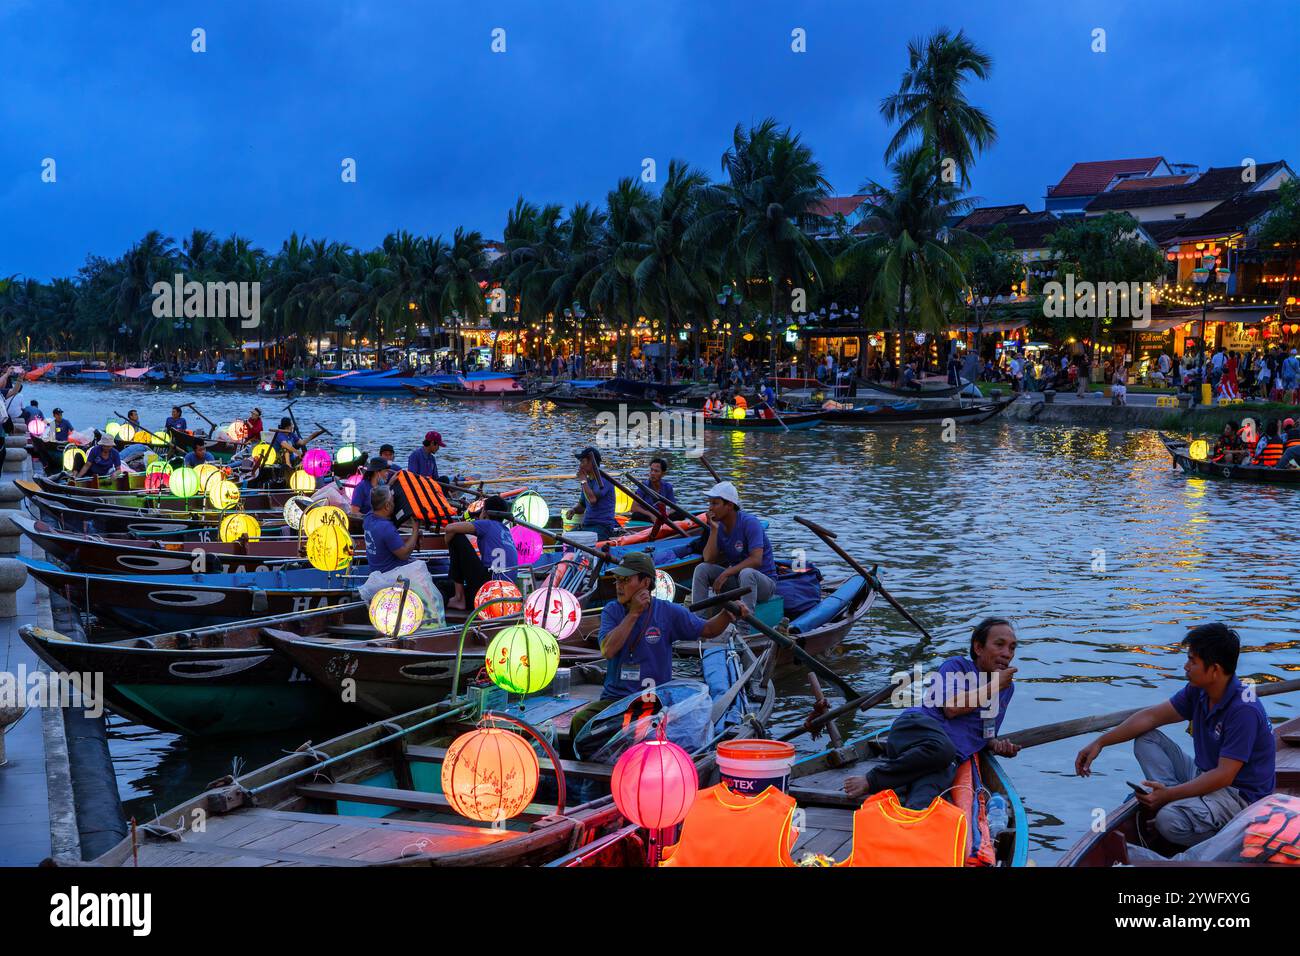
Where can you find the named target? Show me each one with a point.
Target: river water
(1084, 537)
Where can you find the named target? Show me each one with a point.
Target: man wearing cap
(737, 552)
(199, 456)
(385, 549)
(422, 461)
(103, 459)
(1291, 444)
(597, 502)
(497, 554)
(287, 443)
(375, 476)
(637, 632)
(62, 427)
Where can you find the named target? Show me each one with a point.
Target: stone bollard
(13, 575)
(9, 714)
(10, 534)
(11, 496)
(1049, 395)
(16, 456)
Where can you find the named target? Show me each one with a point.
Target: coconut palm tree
(609, 285)
(460, 268)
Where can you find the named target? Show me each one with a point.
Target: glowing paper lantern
(112, 429)
(206, 472)
(489, 774)
(1199, 449)
(320, 515)
(492, 590)
(384, 612)
(237, 430)
(184, 483)
(528, 544)
(263, 454)
(126, 432)
(654, 784)
(329, 548)
(665, 588)
(235, 526)
(737, 413)
(316, 462)
(157, 481)
(347, 454)
(149, 438)
(352, 480)
(294, 509)
(301, 481)
(474, 508)
(554, 609)
(73, 458)
(223, 494)
(36, 427)
(522, 659)
(622, 502)
(530, 507)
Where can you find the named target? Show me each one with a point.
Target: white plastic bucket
(749, 767)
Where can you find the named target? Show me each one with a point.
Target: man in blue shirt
(103, 459)
(199, 456)
(637, 632)
(175, 420)
(737, 552)
(1234, 764)
(389, 454)
(62, 428)
(470, 570)
(962, 709)
(597, 502)
(655, 488)
(375, 476)
(287, 443)
(385, 549)
(422, 461)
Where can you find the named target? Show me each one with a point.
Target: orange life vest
(1273, 834)
(886, 833)
(740, 402)
(728, 829)
(1271, 454)
(713, 406)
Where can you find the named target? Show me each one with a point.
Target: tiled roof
(1149, 182)
(1234, 215)
(1028, 231)
(836, 206)
(988, 215)
(1217, 182)
(1088, 179)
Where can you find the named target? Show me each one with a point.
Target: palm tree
(608, 285)
(931, 105)
(460, 269)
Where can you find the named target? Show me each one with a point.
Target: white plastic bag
(417, 572)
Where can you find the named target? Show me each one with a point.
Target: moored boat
(788, 422)
(913, 413)
(1180, 451)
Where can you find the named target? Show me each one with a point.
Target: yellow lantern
(73, 458)
(223, 494)
(126, 432)
(329, 548)
(302, 482)
(321, 515)
(384, 612)
(489, 774)
(263, 454)
(113, 429)
(235, 526)
(737, 413)
(184, 483)
(1199, 449)
(622, 501)
(205, 472)
(294, 509)
(522, 659)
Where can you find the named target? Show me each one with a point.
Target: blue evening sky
(249, 136)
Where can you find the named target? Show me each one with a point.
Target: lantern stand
(491, 717)
(460, 648)
(401, 606)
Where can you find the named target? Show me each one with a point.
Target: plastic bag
(1267, 833)
(421, 584)
(685, 704)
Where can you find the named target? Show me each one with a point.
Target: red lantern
(238, 430)
(489, 774)
(156, 481)
(492, 590)
(654, 784)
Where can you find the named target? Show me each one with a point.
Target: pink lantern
(654, 785)
(156, 481)
(36, 427)
(352, 480)
(553, 609)
(316, 462)
(528, 544)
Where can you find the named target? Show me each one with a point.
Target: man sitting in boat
(654, 488)
(1229, 448)
(175, 420)
(422, 461)
(496, 554)
(597, 502)
(1234, 763)
(389, 453)
(963, 707)
(740, 401)
(1269, 450)
(363, 494)
(1290, 444)
(254, 424)
(133, 419)
(637, 632)
(713, 404)
(199, 456)
(737, 553)
(102, 460)
(62, 428)
(287, 443)
(385, 549)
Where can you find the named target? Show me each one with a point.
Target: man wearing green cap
(637, 632)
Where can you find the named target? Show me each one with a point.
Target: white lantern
(553, 609)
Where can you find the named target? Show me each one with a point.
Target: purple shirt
(361, 496)
(422, 463)
(1237, 729)
(382, 540)
(967, 731)
(746, 535)
(495, 546)
(103, 460)
(647, 653)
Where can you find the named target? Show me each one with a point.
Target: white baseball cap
(726, 491)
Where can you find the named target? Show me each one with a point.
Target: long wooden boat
(789, 422)
(251, 500)
(470, 395)
(921, 391)
(373, 797)
(971, 414)
(1109, 847)
(1180, 452)
(185, 442)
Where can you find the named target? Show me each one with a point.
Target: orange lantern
(489, 774)
(492, 590)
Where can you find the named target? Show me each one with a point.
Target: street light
(340, 324)
(1205, 276)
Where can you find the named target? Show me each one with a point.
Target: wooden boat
(184, 441)
(373, 797)
(251, 500)
(789, 422)
(1180, 452)
(934, 391)
(920, 415)
(1110, 846)
(470, 395)
(816, 783)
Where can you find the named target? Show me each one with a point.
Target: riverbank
(1141, 411)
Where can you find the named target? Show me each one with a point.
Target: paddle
(605, 555)
(1049, 733)
(212, 426)
(705, 462)
(829, 538)
(650, 508)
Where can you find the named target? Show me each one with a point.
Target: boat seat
(405, 799)
(582, 768)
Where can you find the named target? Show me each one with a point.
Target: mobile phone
(1138, 787)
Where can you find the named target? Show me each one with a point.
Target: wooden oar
(860, 702)
(1049, 733)
(605, 555)
(829, 538)
(508, 479)
(637, 499)
(671, 504)
(212, 426)
(705, 462)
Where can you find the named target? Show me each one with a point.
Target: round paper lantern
(158, 465)
(149, 438)
(223, 494)
(73, 458)
(489, 774)
(528, 544)
(329, 548)
(320, 515)
(235, 526)
(316, 462)
(622, 502)
(384, 612)
(530, 507)
(522, 659)
(490, 591)
(156, 481)
(654, 784)
(206, 472)
(294, 509)
(237, 430)
(347, 454)
(737, 413)
(1199, 449)
(263, 454)
(302, 482)
(553, 609)
(184, 483)
(126, 432)
(352, 480)
(36, 427)
(113, 428)
(665, 588)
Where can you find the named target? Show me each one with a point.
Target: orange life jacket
(713, 406)
(1273, 834)
(741, 402)
(420, 497)
(1271, 454)
(886, 833)
(727, 829)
